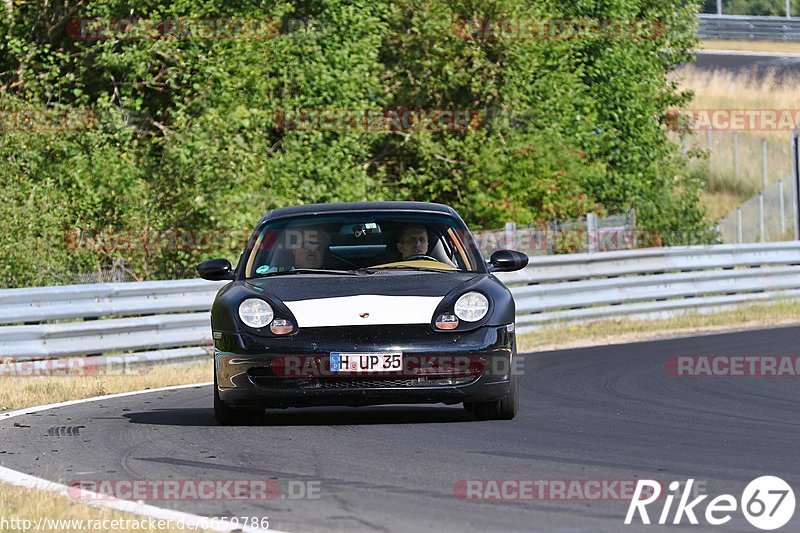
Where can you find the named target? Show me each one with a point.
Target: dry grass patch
(18, 392)
(721, 203)
(752, 46)
(624, 330)
(50, 511)
(722, 90)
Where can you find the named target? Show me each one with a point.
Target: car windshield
(354, 242)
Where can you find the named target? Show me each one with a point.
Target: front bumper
(294, 371)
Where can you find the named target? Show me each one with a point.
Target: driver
(310, 251)
(413, 240)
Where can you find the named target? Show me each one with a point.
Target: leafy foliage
(187, 137)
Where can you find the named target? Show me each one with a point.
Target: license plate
(366, 362)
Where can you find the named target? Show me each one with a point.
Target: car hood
(397, 297)
(395, 283)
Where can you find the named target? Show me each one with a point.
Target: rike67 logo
(767, 503)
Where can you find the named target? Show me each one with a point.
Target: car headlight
(255, 312)
(472, 306)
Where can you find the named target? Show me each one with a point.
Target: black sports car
(363, 304)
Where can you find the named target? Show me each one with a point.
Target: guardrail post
(764, 162)
(783, 209)
(719, 7)
(788, 9)
(761, 216)
(739, 225)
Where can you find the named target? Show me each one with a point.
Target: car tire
(503, 409)
(507, 406)
(229, 416)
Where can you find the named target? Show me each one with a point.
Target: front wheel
(508, 405)
(503, 409)
(228, 416)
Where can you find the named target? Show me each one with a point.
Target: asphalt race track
(604, 413)
(759, 65)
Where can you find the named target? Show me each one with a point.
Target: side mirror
(216, 270)
(507, 261)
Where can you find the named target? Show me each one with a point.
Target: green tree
(195, 137)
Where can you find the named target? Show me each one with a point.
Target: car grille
(359, 383)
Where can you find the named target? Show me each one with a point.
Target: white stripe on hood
(364, 310)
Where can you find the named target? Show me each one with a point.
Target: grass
(625, 330)
(18, 503)
(722, 89)
(752, 46)
(726, 188)
(721, 203)
(19, 392)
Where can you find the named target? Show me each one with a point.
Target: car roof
(309, 209)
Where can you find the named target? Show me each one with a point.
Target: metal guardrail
(168, 321)
(652, 283)
(145, 322)
(740, 27)
(40, 304)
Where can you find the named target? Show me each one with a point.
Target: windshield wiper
(307, 271)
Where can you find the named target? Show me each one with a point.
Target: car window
(358, 241)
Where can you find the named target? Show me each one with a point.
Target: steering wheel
(421, 256)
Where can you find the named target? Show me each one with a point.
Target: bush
(190, 139)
